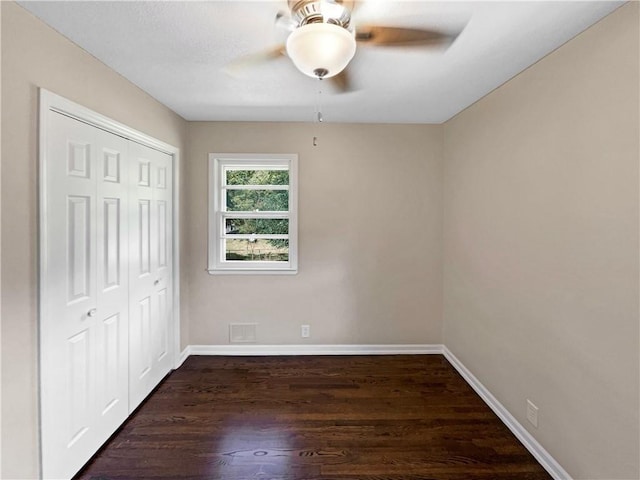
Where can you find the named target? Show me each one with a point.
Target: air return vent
(242, 332)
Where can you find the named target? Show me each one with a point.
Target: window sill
(248, 271)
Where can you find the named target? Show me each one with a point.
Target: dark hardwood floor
(312, 418)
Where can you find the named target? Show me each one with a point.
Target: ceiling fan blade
(351, 5)
(342, 82)
(285, 22)
(401, 37)
(254, 59)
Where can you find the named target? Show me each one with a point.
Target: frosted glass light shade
(321, 46)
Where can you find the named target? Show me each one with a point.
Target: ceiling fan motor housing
(336, 12)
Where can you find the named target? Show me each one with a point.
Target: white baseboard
(530, 443)
(314, 349)
(183, 356)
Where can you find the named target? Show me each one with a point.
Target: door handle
(92, 312)
(157, 282)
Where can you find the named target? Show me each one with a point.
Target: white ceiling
(177, 51)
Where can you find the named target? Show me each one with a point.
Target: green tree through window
(258, 200)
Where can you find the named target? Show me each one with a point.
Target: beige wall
(541, 247)
(369, 233)
(33, 56)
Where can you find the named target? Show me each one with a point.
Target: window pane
(260, 226)
(257, 177)
(257, 250)
(257, 200)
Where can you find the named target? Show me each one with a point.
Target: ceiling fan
(323, 39)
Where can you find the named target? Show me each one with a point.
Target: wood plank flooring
(314, 418)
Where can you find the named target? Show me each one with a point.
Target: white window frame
(217, 262)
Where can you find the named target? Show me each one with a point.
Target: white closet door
(83, 331)
(112, 269)
(150, 280)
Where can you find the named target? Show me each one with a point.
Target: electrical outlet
(532, 413)
(305, 331)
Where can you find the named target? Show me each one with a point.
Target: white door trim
(50, 101)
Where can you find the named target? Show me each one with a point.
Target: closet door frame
(51, 102)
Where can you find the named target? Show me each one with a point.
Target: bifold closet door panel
(84, 319)
(112, 268)
(150, 267)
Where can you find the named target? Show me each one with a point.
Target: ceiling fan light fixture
(321, 47)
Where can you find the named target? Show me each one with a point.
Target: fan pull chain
(318, 116)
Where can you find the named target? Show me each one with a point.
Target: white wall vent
(243, 333)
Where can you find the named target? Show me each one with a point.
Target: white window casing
(219, 214)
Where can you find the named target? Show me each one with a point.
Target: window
(253, 225)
